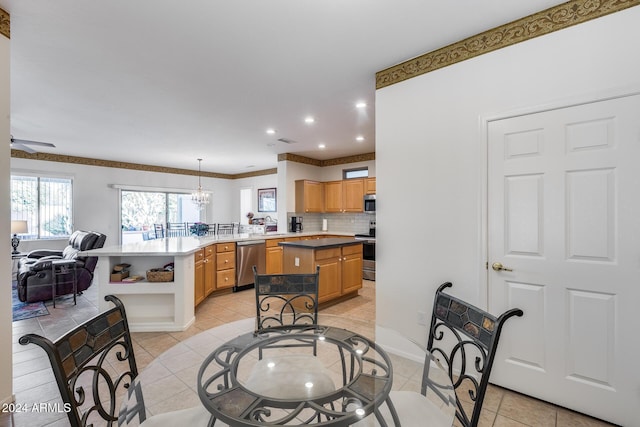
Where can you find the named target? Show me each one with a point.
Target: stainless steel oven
(368, 255)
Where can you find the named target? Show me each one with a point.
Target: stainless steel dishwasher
(248, 254)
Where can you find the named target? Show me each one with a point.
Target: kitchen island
(164, 306)
(340, 261)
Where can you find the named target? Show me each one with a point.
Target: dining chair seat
(296, 371)
(197, 416)
(413, 409)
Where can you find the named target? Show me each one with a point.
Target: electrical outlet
(296, 262)
(422, 318)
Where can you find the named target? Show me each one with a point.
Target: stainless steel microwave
(370, 203)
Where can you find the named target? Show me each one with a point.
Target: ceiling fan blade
(18, 146)
(27, 142)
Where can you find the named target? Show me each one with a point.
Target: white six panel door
(564, 215)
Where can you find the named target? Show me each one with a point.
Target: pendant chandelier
(199, 197)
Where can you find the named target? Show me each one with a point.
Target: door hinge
(486, 265)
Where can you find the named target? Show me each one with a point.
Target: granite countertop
(326, 243)
(172, 246)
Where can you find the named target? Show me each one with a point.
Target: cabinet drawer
(226, 260)
(352, 249)
(327, 253)
(198, 255)
(226, 247)
(273, 242)
(225, 279)
(209, 250)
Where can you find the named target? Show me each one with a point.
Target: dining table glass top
(332, 373)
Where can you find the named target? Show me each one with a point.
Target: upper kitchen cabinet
(353, 195)
(344, 196)
(370, 186)
(333, 196)
(309, 196)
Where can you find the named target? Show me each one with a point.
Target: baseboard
(7, 400)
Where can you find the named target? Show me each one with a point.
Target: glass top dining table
(333, 373)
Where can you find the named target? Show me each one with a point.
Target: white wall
(6, 378)
(429, 156)
(254, 183)
(95, 202)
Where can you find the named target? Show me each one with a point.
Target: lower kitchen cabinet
(209, 269)
(225, 265)
(273, 264)
(198, 279)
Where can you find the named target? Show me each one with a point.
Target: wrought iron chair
(93, 363)
(159, 230)
(226, 228)
(286, 299)
(464, 339)
(176, 229)
(281, 300)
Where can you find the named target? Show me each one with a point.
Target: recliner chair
(34, 271)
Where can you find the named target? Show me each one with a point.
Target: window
(45, 203)
(355, 173)
(141, 209)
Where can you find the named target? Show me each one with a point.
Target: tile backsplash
(357, 223)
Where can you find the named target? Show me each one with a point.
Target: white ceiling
(164, 83)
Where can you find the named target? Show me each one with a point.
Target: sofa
(34, 271)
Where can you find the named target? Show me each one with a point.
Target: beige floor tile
(568, 418)
(507, 422)
(527, 411)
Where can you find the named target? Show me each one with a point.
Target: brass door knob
(497, 266)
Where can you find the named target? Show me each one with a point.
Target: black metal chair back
(226, 229)
(84, 361)
(159, 230)
(176, 229)
(283, 299)
(474, 333)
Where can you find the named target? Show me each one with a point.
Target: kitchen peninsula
(167, 306)
(340, 261)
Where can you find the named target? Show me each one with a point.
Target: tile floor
(33, 378)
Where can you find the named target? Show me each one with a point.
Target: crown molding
(329, 162)
(5, 23)
(538, 24)
(48, 157)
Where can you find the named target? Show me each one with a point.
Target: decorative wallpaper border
(5, 23)
(329, 162)
(547, 21)
(48, 157)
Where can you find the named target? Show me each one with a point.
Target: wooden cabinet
(340, 268)
(353, 195)
(273, 264)
(351, 268)
(370, 186)
(344, 196)
(209, 269)
(330, 279)
(309, 196)
(333, 196)
(198, 280)
(225, 265)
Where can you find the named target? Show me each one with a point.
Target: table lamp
(17, 227)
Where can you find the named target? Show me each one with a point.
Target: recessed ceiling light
(361, 104)
(360, 138)
(271, 131)
(309, 120)
(322, 146)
